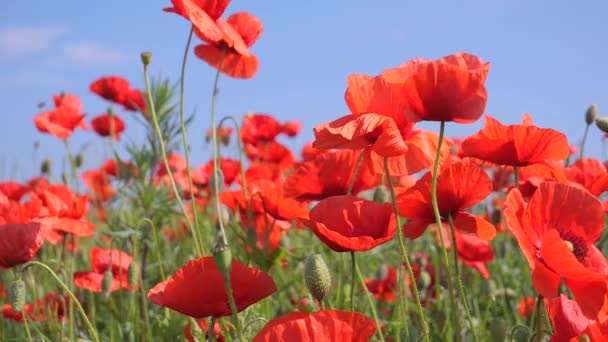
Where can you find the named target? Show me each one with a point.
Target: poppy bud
(584, 338)
(146, 58)
(132, 274)
(225, 139)
(78, 160)
(498, 329)
(45, 167)
(16, 295)
(424, 280)
(602, 123)
(217, 176)
(64, 178)
(223, 257)
(380, 195)
(106, 283)
(317, 277)
(591, 114)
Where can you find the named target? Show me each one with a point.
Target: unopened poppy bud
(133, 274)
(64, 178)
(317, 277)
(106, 283)
(380, 195)
(498, 329)
(146, 58)
(16, 295)
(45, 167)
(424, 280)
(602, 123)
(584, 338)
(217, 176)
(591, 114)
(225, 139)
(222, 257)
(78, 160)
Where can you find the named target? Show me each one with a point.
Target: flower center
(576, 244)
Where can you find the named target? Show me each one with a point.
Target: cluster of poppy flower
(551, 208)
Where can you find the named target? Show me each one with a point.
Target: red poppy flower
(51, 306)
(103, 260)
(2, 293)
(202, 15)
(556, 231)
(258, 171)
(241, 31)
(197, 289)
(451, 88)
(291, 128)
(378, 125)
(19, 243)
(204, 326)
(106, 125)
(349, 223)
(8, 313)
(309, 152)
(567, 318)
(270, 152)
(98, 183)
(474, 252)
(384, 289)
(329, 174)
(459, 186)
(119, 168)
(223, 134)
(516, 145)
(134, 100)
(13, 190)
(259, 127)
(526, 307)
(231, 169)
(589, 173)
(328, 325)
(111, 88)
(63, 119)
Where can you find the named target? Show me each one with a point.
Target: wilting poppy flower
(231, 54)
(197, 289)
(451, 88)
(516, 145)
(291, 128)
(377, 124)
(103, 260)
(329, 174)
(259, 127)
(556, 231)
(459, 186)
(526, 307)
(349, 223)
(108, 125)
(63, 119)
(328, 325)
(19, 243)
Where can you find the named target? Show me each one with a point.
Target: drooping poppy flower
(459, 186)
(328, 325)
(19, 243)
(451, 88)
(329, 174)
(556, 231)
(349, 223)
(231, 54)
(133, 100)
(102, 261)
(223, 134)
(108, 125)
(259, 127)
(63, 119)
(291, 128)
(202, 15)
(526, 307)
(197, 289)
(377, 124)
(516, 145)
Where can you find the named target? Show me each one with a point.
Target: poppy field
(376, 230)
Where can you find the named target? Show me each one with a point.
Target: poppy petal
(469, 223)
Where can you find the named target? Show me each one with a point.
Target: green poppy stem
(353, 265)
(370, 299)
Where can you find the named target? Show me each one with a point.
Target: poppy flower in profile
(451, 88)
(516, 145)
(349, 223)
(231, 169)
(474, 252)
(111, 88)
(99, 184)
(259, 127)
(589, 173)
(19, 243)
(291, 128)
(459, 186)
(329, 174)
(556, 232)
(108, 125)
(102, 261)
(202, 15)
(197, 289)
(63, 119)
(231, 54)
(328, 325)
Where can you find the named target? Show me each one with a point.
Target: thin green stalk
(26, 324)
(540, 320)
(72, 297)
(233, 308)
(372, 305)
(404, 254)
(463, 296)
(355, 172)
(580, 156)
(516, 176)
(73, 167)
(163, 151)
(156, 249)
(353, 265)
(444, 253)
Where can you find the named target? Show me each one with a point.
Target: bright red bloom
(98, 183)
(329, 174)
(328, 325)
(51, 306)
(270, 152)
(459, 186)
(568, 320)
(451, 88)
(19, 243)
(231, 169)
(589, 173)
(134, 100)
(202, 15)
(259, 127)
(108, 125)
(241, 31)
(262, 171)
(516, 145)
(204, 326)
(384, 289)
(291, 128)
(197, 289)
(556, 231)
(111, 88)
(62, 120)
(309, 152)
(103, 260)
(474, 252)
(526, 307)
(119, 168)
(348, 223)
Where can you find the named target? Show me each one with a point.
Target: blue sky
(548, 59)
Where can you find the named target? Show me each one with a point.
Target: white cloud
(89, 53)
(16, 41)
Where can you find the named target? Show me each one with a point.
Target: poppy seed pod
(106, 283)
(222, 257)
(602, 123)
(381, 195)
(45, 167)
(146, 58)
(591, 114)
(16, 295)
(317, 277)
(133, 274)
